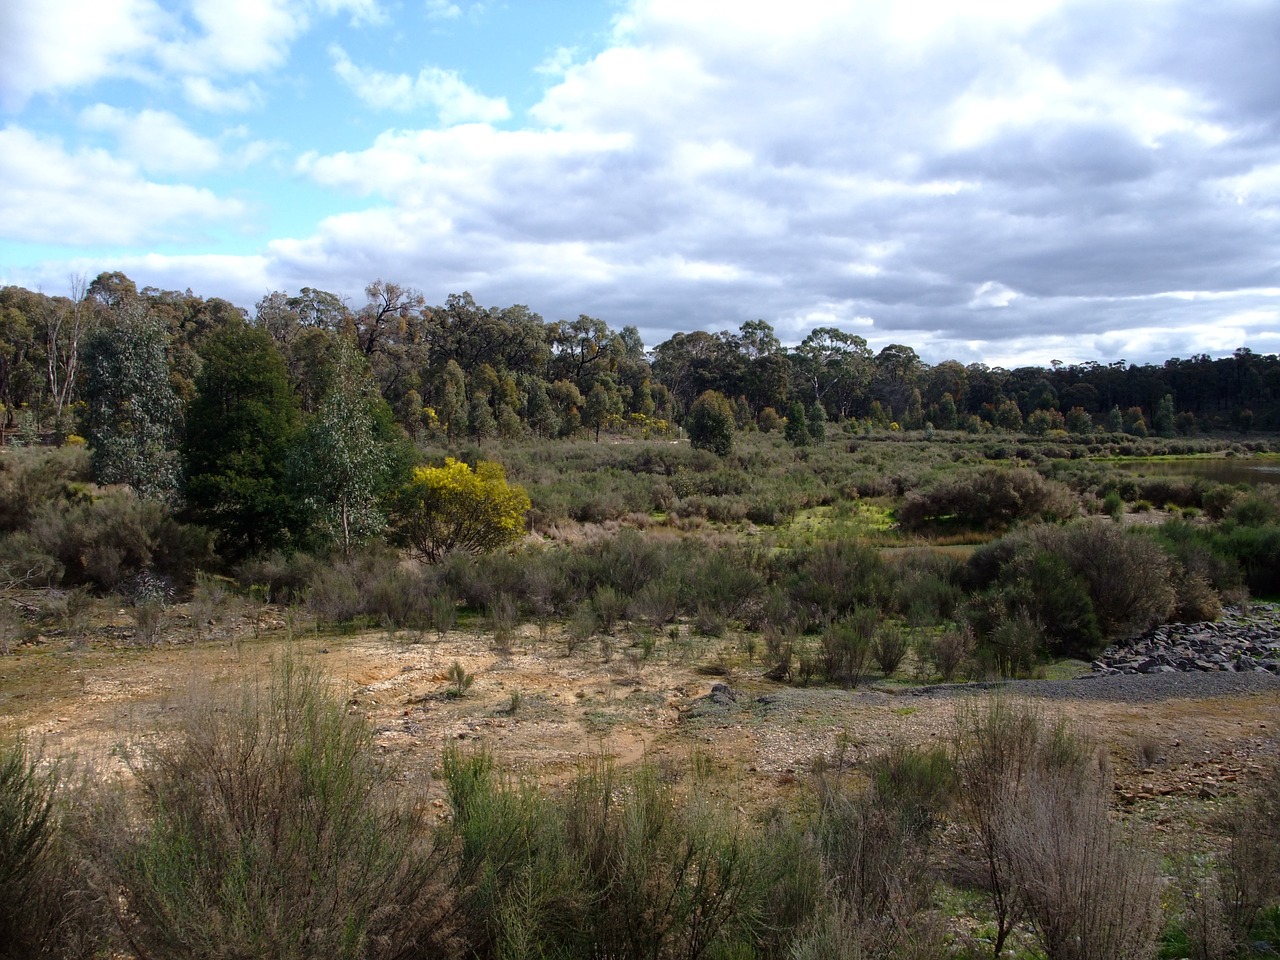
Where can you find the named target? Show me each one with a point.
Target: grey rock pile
(1242, 640)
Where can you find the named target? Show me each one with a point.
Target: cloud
(91, 197)
(204, 93)
(433, 88)
(58, 45)
(443, 10)
(155, 141)
(234, 37)
(989, 180)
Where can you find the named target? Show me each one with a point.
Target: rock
(722, 694)
(1239, 641)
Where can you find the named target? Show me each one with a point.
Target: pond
(1252, 470)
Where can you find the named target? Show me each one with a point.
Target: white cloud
(558, 63)
(235, 37)
(203, 93)
(433, 88)
(155, 141)
(992, 294)
(91, 197)
(360, 11)
(159, 143)
(443, 10)
(57, 45)
(875, 166)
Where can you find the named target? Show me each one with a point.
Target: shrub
(31, 478)
(1033, 802)
(47, 905)
(24, 563)
(456, 508)
(838, 575)
(950, 650)
(988, 499)
(846, 647)
(283, 577)
(267, 827)
(890, 647)
(877, 869)
(1128, 575)
(26, 830)
(710, 423)
(1221, 908)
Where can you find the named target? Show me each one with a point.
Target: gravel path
(1125, 688)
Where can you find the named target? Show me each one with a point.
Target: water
(1224, 470)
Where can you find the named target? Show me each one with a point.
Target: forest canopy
(462, 370)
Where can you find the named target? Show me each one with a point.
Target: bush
(988, 499)
(47, 908)
(890, 647)
(453, 507)
(115, 536)
(836, 576)
(949, 651)
(710, 424)
(267, 828)
(26, 830)
(1033, 802)
(621, 868)
(1222, 908)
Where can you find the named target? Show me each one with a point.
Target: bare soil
(543, 710)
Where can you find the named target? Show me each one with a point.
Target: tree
(68, 326)
(830, 360)
(339, 460)
(1165, 418)
(442, 509)
(818, 423)
(452, 409)
(710, 423)
(131, 412)
(797, 430)
(602, 405)
(239, 430)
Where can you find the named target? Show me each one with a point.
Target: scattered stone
(1242, 640)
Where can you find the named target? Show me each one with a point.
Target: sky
(1009, 182)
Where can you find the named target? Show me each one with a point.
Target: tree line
(459, 370)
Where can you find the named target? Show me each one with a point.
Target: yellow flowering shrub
(442, 509)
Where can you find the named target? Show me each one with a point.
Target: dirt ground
(543, 710)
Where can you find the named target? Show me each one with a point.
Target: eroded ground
(543, 710)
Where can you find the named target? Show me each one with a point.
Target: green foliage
(622, 867)
(710, 423)
(797, 429)
(131, 411)
(239, 430)
(339, 462)
(26, 828)
(442, 509)
(270, 829)
(988, 499)
(107, 539)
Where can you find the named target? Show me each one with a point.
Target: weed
(461, 680)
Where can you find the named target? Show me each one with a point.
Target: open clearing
(1176, 761)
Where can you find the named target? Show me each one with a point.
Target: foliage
(988, 499)
(339, 461)
(26, 827)
(710, 423)
(46, 906)
(269, 829)
(131, 413)
(452, 507)
(239, 428)
(1032, 804)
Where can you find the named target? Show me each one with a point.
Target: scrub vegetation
(813, 520)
